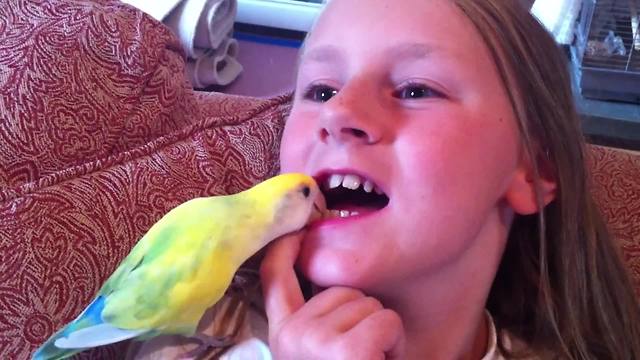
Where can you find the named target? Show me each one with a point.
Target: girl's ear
(521, 194)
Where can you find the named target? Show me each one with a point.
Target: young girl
(444, 135)
(453, 121)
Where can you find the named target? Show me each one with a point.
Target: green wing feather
(138, 292)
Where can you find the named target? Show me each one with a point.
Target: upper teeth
(352, 182)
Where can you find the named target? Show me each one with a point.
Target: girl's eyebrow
(324, 53)
(409, 50)
(413, 50)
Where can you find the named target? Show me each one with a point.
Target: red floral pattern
(100, 135)
(81, 80)
(61, 236)
(615, 180)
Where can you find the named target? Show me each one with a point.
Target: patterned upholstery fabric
(100, 135)
(615, 177)
(80, 81)
(61, 236)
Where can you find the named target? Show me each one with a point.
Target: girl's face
(404, 99)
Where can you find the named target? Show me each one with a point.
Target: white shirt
(252, 338)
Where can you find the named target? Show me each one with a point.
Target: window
(297, 15)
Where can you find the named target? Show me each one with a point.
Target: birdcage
(607, 50)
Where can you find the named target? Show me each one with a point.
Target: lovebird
(185, 262)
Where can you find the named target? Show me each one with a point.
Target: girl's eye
(320, 93)
(416, 91)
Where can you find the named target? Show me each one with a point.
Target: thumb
(280, 287)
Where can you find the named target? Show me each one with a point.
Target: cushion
(81, 80)
(61, 236)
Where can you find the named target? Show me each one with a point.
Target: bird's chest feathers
(206, 283)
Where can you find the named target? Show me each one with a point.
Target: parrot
(185, 262)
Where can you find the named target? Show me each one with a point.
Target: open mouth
(349, 195)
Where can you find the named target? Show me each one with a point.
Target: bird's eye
(306, 191)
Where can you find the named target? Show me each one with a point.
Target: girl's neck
(470, 342)
(443, 313)
(452, 330)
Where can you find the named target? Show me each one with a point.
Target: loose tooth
(335, 181)
(368, 186)
(351, 182)
(344, 213)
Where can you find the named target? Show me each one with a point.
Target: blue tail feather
(89, 317)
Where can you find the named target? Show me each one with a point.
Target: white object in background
(279, 14)
(635, 24)
(158, 9)
(559, 17)
(202, 24)
(216, 66)
(251, 349)
(204, 28)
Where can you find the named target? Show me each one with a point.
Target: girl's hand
(338, 323)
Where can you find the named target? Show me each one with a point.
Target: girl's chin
(329, 267)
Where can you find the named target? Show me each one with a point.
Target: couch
(100, 135)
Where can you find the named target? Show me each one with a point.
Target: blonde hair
(561, 286)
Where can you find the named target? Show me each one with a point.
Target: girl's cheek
(299, 128)
(294, 147)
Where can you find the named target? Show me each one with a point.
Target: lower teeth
(342, 213)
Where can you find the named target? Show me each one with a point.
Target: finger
(350, 313)
(280, 287)
(329, 300)
(383, 330)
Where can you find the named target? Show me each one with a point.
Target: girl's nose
(351, 118)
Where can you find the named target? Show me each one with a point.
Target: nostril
(345, 134)
(306, 191)
(358, 133)
(324, 134)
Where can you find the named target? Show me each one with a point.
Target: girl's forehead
(408, 27)
(404, 14)
(396, 39)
